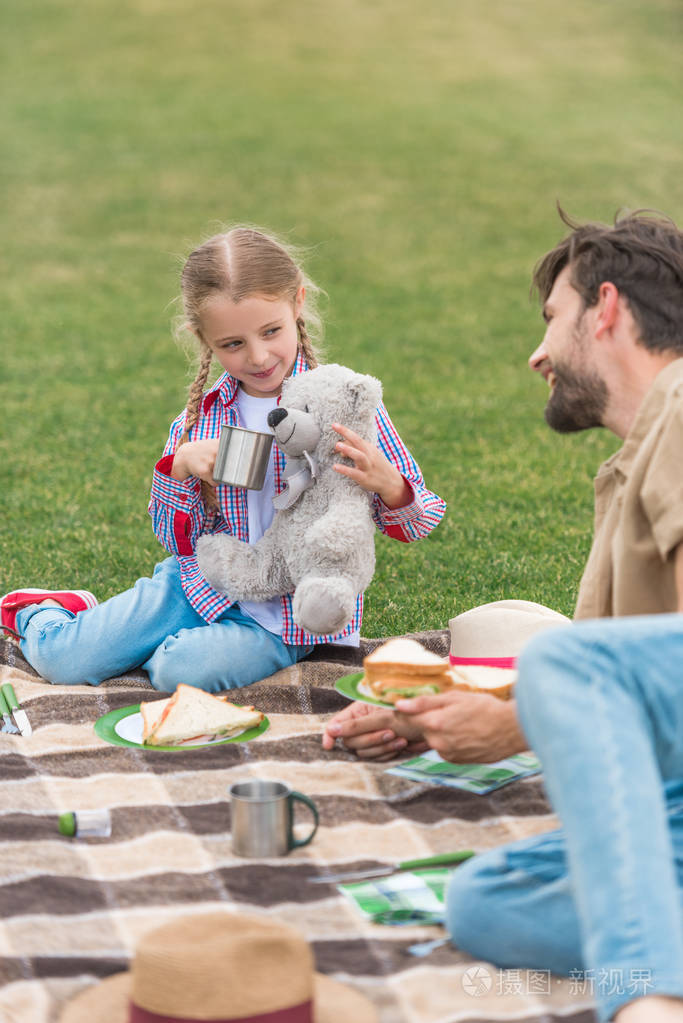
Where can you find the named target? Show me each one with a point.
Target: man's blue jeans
(153, 626)
(601, 703)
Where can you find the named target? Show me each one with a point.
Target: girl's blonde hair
(240, 263)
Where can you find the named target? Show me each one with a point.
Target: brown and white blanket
(71, 911)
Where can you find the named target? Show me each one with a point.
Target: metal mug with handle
(262, 818)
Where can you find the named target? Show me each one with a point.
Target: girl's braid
(196, 392)
(306, 344)
(194, 400)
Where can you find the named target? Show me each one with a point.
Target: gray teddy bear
(321, 542)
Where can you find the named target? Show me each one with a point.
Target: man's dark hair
(641, 254)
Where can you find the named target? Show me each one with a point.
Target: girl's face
(255, 340)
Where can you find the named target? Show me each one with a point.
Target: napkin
(407, 898)
(477, 778)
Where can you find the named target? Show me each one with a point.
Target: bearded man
(612, 354)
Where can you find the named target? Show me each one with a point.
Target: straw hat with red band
(220, 968)
(493, 634)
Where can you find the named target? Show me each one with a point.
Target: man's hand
(372, 733)
(464, 727)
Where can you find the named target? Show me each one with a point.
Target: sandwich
(192, 714)
(485, 678)
(151, 712)
(403, 668)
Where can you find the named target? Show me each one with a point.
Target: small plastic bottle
(85, 824)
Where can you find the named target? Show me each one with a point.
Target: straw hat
(494, 633)
(224, 967)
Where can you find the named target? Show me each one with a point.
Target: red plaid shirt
(180, 517)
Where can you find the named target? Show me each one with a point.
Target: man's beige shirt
(639, 511)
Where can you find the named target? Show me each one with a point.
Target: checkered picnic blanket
(71, 911)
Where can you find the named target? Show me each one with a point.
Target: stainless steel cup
(262, 818)
(242, 458)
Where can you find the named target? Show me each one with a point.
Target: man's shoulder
(659, 432)
(662, 404)
(665, 406)
(669, 382)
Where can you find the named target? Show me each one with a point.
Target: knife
(9, 725)
(443, 860)
(18, 714)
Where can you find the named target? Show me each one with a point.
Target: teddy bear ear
(365, 392)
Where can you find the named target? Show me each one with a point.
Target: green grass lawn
(417, 149)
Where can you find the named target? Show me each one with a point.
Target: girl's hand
(196, 458)
(371, 469)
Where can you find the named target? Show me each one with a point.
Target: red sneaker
(72, 600)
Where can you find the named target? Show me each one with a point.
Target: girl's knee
(49, 655)
(163, 682)
(171, 664)
(165, 670)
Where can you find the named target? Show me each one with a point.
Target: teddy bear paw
(214, 557)
(324, 606)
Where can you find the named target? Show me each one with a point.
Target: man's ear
(607, 308)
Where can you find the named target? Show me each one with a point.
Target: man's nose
(537, 358)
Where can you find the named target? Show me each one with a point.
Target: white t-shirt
(253, 413)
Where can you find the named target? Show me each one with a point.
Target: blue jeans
(601, 703)
(152, 626)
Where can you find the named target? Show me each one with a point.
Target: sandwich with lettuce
(402, 668)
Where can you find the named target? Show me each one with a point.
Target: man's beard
(577, 402)
(578, 399)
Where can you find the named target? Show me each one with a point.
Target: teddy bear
(320, 544)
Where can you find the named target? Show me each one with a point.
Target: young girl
(247, 303)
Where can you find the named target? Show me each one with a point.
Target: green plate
(352, 687)
(123, 727)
